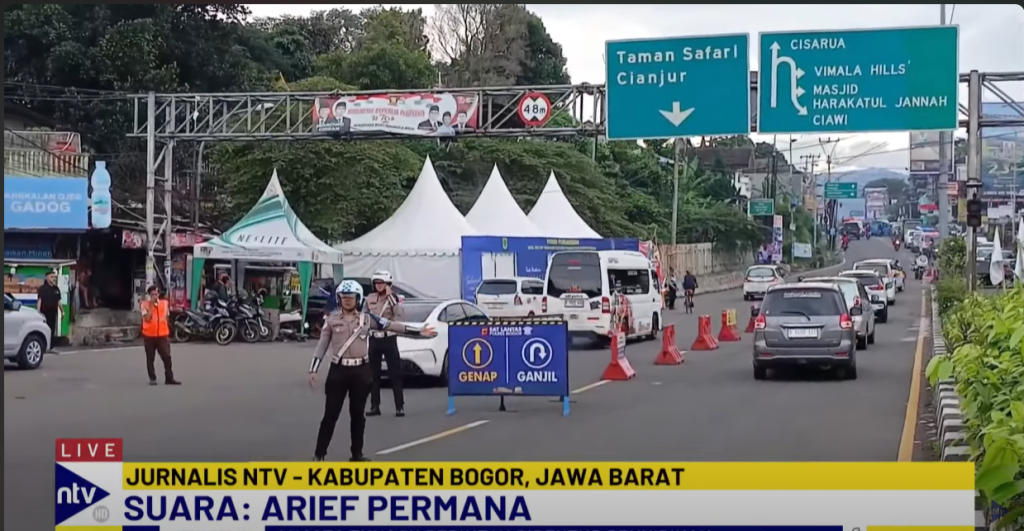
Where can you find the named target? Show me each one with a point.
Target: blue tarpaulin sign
(46, 203)
(508, 357)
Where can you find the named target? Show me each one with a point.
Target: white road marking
(586, 388)
(88, 350)
(432, 438)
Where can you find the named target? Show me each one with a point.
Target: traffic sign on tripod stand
(534, 109)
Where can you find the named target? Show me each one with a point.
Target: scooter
(896, 245)
(245, 318)
(293, 326)
(918, 272)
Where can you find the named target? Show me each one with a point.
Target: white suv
(510, 297)
(26, 334)
(883, 267)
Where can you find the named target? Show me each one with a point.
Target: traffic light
(974, 208)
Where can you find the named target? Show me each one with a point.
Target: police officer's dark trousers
(354, 383)
(386, 348)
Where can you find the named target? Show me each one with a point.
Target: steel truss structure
(166, 119)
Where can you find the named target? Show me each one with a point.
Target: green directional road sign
(899, 79)
(678, 86)
(840, 190)
(761, 207)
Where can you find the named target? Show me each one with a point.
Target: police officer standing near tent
(384, 345)
(345, 342)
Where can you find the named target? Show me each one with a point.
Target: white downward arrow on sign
(676, 115)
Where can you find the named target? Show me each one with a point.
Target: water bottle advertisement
(102, 204)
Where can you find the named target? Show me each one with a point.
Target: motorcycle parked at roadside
(246, 319)
(213, 322)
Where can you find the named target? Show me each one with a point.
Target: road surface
(252, 403)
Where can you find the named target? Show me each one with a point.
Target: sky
(991, 40)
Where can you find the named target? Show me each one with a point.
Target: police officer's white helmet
(383, 276)
(350, 288)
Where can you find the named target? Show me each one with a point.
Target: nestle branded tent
(270, 232)
(496, 212)
(555, 217)
(419, 244)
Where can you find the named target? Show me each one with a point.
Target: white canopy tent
(269, 232)
(419, 244)
(496, 212)
(555, 217)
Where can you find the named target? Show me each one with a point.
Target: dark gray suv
(805, 325)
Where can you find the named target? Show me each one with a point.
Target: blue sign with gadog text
(677, 86)
(46, 203)
(896, 79)
(521, 357)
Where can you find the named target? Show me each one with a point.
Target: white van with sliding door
(581, 285)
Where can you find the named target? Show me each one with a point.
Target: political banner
(418, 114)
(95, 489)
(1002, 159)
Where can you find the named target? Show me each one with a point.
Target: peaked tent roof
(426, 223)
(555, 217)
(496, 212)
(270, 232)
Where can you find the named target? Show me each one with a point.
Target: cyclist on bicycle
(689, 286)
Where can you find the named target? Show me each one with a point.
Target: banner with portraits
(434, 114)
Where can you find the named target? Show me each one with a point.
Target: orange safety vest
(156, 324)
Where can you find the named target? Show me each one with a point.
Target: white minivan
(581, 285)
(510, 297)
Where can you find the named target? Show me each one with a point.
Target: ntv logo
(76, 494)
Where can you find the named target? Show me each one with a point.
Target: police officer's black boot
(400, 412)
(318, 458)
(359, 459)
(373, 412)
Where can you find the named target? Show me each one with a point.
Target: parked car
(856, 296)
(875, 287)
(759, 278)
(510, 297)
(806, 324)
(26, 334)
(429, 356)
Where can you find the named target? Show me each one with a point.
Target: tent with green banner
(270, 232)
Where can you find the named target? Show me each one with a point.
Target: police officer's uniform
(344, 340)
(384, 346)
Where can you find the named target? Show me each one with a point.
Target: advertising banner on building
(418, 114)
(924, 146)
(46, 203)
(1002, 159)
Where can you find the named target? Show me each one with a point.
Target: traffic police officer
(345, 340)
(384, 345)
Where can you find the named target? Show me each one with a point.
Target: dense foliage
(74, 64)
(985, 335)
(952, 287)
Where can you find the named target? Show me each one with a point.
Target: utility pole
(973, 170)
(810, 162)
(830, 209)
(675, 190)
(941, 186)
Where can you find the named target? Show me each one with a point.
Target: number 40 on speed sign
(534, 109)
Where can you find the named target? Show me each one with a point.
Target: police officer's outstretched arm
(401, 328)
(319, 352)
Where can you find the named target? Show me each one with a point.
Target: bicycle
(688, 300)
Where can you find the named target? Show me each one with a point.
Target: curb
(952, 436)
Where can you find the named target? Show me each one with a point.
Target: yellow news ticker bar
(548, 476)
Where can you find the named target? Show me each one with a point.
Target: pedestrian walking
(673, 289)
(345, 338)
(48, 301)
(384, 345)
(156, 334)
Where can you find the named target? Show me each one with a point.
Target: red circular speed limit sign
(534, 109)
